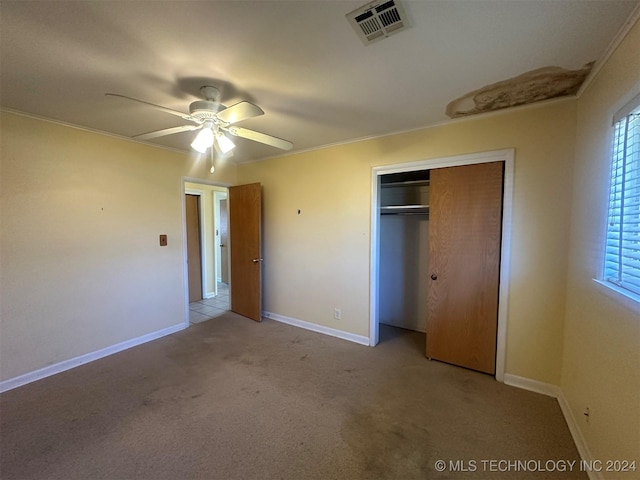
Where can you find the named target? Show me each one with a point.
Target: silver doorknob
(257, 260)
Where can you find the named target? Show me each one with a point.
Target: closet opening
(408, 228)
(404, 256)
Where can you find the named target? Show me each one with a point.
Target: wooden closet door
(465, 227)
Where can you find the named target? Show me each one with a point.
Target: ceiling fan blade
(260, 137)
(185, 116)
(166, 131)
(240, 111)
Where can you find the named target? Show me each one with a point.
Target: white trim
(438, 123)
(86, 358)
(352, 337)
(202, 181)
(96, 131)
(507, 156)
(204, 285)
(505, 267)
(185, 257)
(602, 61)
(617, 107)
(217, 197)
(627, 298)
(532, 385)
(626, 110)
(374, 261)
(578, 439)
(556, 392)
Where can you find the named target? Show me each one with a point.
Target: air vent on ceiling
(378, 20)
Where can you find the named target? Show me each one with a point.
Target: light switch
(163, 240)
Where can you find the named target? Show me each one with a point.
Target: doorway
(207, 293)
(242, 293)
(505, 156)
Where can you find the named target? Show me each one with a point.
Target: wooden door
(224, 242)
(245, 240)
(194, 259)
(465, 228)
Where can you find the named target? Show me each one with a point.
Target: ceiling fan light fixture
(224, 143)
(203, 140)
(213, 120)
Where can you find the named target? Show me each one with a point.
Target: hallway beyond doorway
(209, 308)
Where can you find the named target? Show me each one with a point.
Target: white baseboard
(532, 385)
(352, 337)
(556, 392)
(509, 379)
(20, 380)
(578, 439)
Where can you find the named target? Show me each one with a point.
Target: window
(622, 251)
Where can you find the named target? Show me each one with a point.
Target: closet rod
(405, 213)
(419, 209)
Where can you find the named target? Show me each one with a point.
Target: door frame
(217, 197)
(507, 156)
(185, 266)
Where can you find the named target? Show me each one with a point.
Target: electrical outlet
(337, 314)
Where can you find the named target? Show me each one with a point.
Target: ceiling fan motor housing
(204, 109)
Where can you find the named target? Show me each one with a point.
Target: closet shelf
(406, 183)
(404, 210)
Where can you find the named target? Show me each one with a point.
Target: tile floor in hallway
(208, 308)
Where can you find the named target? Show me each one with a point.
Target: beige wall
(319, 260)
(81, 267)
(601, 367)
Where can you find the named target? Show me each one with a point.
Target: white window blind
(622, 252)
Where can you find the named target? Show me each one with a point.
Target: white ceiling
(300, 61)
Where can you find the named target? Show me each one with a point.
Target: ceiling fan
(213, 120)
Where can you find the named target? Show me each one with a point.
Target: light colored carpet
(234, 399)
